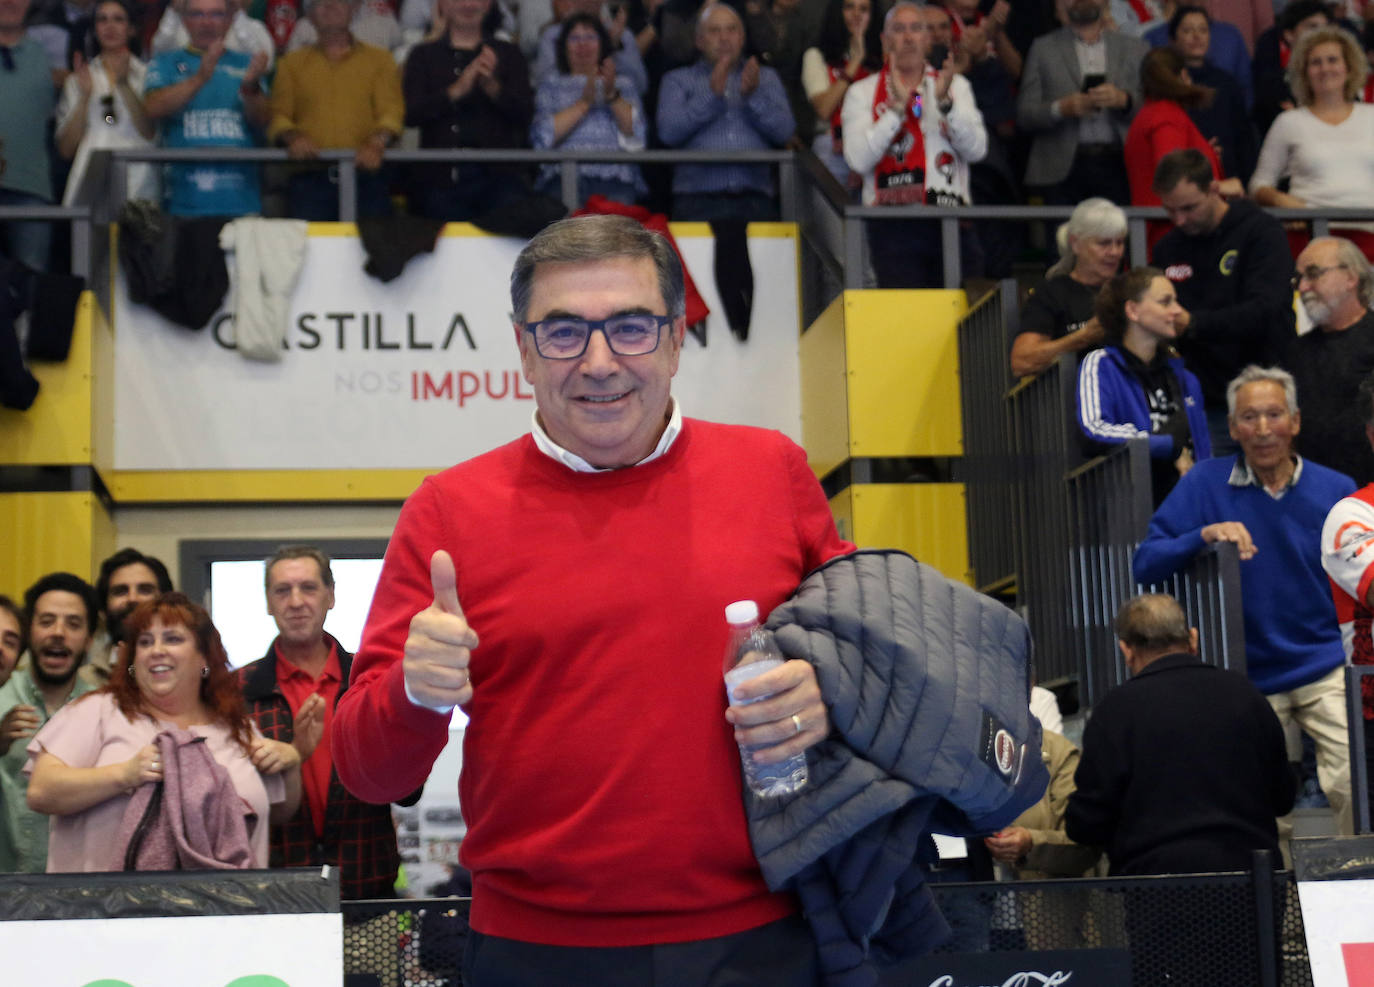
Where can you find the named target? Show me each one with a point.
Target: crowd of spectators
(1092, 103)
(107, 691)
(998, 102)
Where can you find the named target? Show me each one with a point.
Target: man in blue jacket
(1271, 503)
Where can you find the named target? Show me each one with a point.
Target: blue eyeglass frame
(599, 325)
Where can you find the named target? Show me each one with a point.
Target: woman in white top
(102, 105)
(1325, 146)
(850, 48)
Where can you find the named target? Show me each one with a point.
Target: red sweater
(1161, 126)
(601, 782)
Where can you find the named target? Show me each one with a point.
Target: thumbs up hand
(440, 643)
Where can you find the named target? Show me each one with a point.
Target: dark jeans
(752, 207)
(477, 191)
(1095, 171)
(314, 195)
(906, 253)
(1369, 764)
(27, 241)
(780, 954)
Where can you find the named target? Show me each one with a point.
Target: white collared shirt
(1243, 476)
(577, 464)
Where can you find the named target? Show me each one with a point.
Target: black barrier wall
(1210, 930)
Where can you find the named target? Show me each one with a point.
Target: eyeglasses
(1311, 274)
(206, 15)
(107, 106)
(626, 335)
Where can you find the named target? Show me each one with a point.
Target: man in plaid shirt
(291, 692)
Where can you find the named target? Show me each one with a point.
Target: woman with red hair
(87, 763)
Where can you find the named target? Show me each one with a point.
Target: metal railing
(1109, 508)
(1355, 677)
(1209, 591)
(984, 371)
(1221, 930)
(77, 217)
(1045, 447)
(1076, 523)
(567, 162)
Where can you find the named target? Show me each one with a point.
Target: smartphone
(938, 54)
(1092, 80)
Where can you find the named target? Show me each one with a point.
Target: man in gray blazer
(1079, 90)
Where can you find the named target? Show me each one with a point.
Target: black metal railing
(985, 375)
(1045, 447)
(1355, 677)
(345, 163)
(1109, 508)
(78, 218)
(1074, 524)
(1218, 930)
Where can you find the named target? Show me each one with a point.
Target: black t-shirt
(1058, 306)
(1328, 368)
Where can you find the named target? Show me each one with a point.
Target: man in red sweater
(606, 838)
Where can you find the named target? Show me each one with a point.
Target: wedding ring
(796, 722)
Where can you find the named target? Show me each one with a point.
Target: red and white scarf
(836, 72)
(899, 179)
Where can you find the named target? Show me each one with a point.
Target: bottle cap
(742, 612)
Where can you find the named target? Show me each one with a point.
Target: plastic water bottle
(752, 651)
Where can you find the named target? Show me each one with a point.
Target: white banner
(209, 951)
(1340, 931)
(418, 373)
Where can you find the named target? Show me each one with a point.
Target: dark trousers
(1096, 170)
(752, 207)
(475, 191)
(1369, 764)
(780, 954)
(314, 195)
(906, 253)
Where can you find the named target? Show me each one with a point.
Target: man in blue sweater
(1271, 503)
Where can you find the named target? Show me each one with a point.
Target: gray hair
(298, 552)
(913, 4)
(592, 238)
(1095, 217)
(1153, 622)
(709, 8)
(1255, 374)
(1352, 258)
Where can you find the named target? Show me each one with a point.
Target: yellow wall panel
(51, 531)
(191, 486)
(56, 431)
(926, 520)
(824, 392)
(903, 370)
(102, 391)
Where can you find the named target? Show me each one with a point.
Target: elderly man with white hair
(1271, 503)
(1330, 362)
(723, 102)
